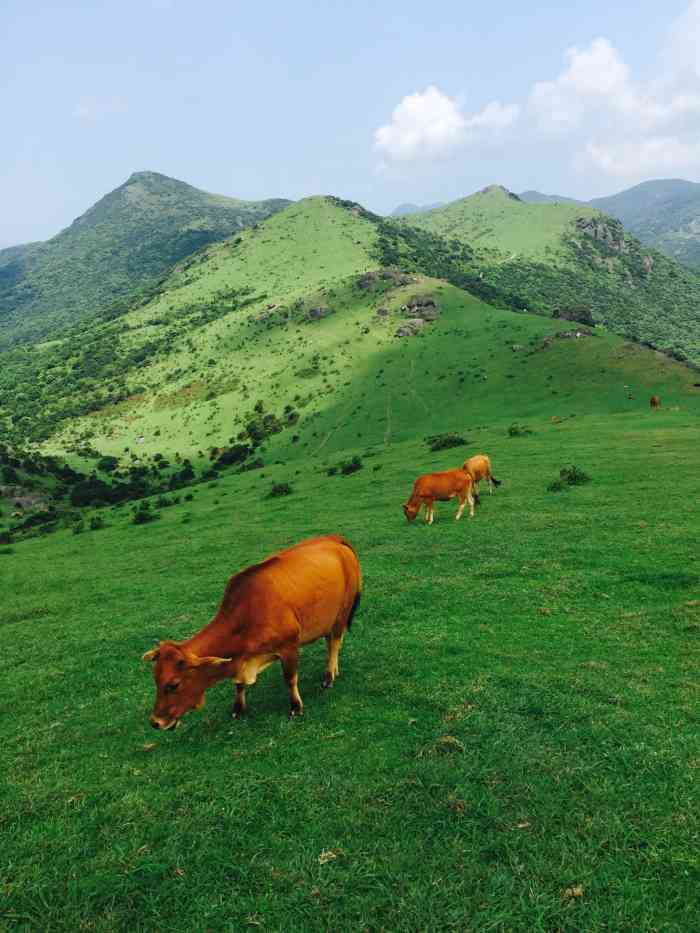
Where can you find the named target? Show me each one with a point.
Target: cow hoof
(237, 713)
(296, 711)
(327, 681)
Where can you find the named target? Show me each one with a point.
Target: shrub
(97, 522)
(351, 466)
(568, 476)
(5, 537)
(573, 476)
(445, 441)
(518, 430)
(280, 489)
(79, 527)
(143, 516)
(107, 464)
(7, 550)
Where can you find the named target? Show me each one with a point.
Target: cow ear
(151, 655)
(211, 662)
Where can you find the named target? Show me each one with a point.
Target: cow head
(181, 679)
(410, 510)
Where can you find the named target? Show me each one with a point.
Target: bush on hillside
(280, 489)
(107, 464)
(518, 430)
(445, 441)
(573, 476)
(569, 476)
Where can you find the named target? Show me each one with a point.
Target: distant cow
(479, 467)
(440, 487)
(268, 611)
(655, 402)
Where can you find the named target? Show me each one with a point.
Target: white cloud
(91, 108)
(596, 115)
(429, 125)
(494, 116)
(621, 126)
(656, 155)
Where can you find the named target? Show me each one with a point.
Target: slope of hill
(549, 257)
(663, 213)
(124, 242)
(495, 218)
(286, 340)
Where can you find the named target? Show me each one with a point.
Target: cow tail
(355, 604)
(358, 594)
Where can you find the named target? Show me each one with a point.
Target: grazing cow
(479, 467)
(268, 611)
(450, 484)
(655, 402)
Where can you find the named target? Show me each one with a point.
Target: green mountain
(403, 210)
(664, 214)
(121, 244)
(323, 328)
(536, 197)
(554, 257)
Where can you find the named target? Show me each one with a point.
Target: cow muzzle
(164, 724)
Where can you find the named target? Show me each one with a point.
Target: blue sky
(381, 102)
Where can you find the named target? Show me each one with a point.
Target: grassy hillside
(512, 743)
(553, 257)
(124, 242)
(513, 740)
(283, 323)
(497, 219)
(664, 214)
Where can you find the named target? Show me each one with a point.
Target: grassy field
(513, 744)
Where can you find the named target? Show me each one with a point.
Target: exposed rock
(566, 335)
(383, 312)
(410, 327)
(367, 280)
(315, 314)
(605, 230)
(422, 306)
(578, 313)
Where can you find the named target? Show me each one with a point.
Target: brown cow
(443, 486)
(294, 597)
(655, 402)
(479, 467)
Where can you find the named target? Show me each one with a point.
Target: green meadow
(514, 742)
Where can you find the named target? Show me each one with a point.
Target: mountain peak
(499, 190)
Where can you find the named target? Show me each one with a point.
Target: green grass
(363, 385)
(546, 257)
(517, 715)
(494, 219)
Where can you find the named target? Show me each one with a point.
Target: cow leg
(290, 668)
(333, 644)
(490, 481)
(429, 513)
(240, 707)
(460, 509)
(470, 500)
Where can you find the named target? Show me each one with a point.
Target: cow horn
(151, 655)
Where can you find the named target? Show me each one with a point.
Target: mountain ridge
(128, 238)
